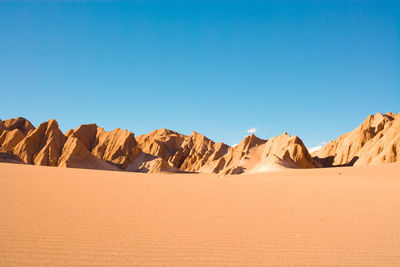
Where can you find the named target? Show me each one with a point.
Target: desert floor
(339, 216)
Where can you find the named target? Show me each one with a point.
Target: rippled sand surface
(338, 216)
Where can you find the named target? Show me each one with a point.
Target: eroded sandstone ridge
(376, 140)
(257, 155)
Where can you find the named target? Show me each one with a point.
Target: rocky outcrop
(290, 149)
(356, 147)
(150, 164)
(86, 134)
(42, 146)
(197, 151)
(384, 147)
(256, 155)
(155, 150)
(117, 147)
(75, 154)
(163, 150)
(162, 143)
(19, 123)
(166, 150)
(375, 141)
(241, 157)
(88, 146)
(12, 131)
(9, 139)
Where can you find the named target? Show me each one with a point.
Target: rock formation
(86, 134)
(197, 151)
(19, 123)
(241, 157)
(256, 155)
(161, 143)
(12, 131)
(290, 149)
(9, 139)
(42, 146)
(375, 141)
(75, 154)
(117, 147)
(155, 150)
(166, 150)
(372, 142)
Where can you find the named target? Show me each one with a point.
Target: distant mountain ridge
(376, 140)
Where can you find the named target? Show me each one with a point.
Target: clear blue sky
(315, 69)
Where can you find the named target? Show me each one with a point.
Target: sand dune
(331, 217)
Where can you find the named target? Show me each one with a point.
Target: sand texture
(305, 217)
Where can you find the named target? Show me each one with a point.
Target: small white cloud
(234, 145)
(252, 130)
(316, 148)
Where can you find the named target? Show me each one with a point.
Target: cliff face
(12, 131)
(88, 146)
(166, 150)
(162, 143)
(372, 142)
(257, 155)
(41, 146)
(375, 141)
(19, 123)
(75, 154)
(117, 147)
(241, 157)
(384, 147)
(9, 139)
(197, 151)
(155, 150)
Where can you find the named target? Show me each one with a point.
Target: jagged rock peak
(376, 140)
(86, 134)
(19, 123)
(290, 149)
(9, 139)
(76, 155)
(159, 133)
(117, 146)
(383, 148)
(249, 142)
(162, 143)
(196, 152)
(43, 145)
(346, 149)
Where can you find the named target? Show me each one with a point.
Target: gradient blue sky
(315, 69)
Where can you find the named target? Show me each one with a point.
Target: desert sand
(305, 217)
